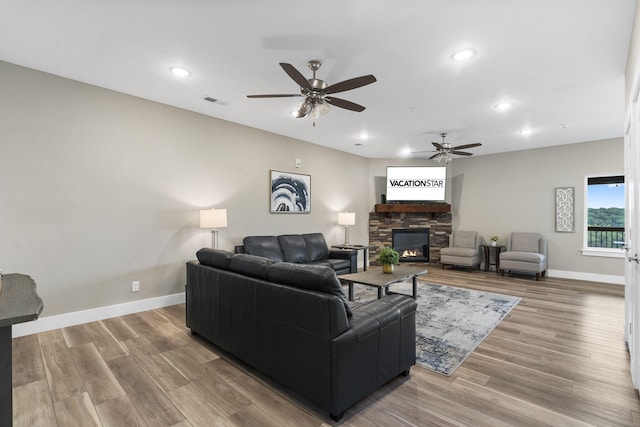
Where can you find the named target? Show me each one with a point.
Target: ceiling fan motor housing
(317, 85)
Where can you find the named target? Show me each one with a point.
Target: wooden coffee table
(376, 278)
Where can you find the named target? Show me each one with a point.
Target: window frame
(586, 249)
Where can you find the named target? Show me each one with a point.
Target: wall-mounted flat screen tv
(416, 183)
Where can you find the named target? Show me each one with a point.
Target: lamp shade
(213, 218)
(346, 218)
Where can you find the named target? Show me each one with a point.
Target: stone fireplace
(434, 217)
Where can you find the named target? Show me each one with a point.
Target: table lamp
(346, 219)
(213, 219)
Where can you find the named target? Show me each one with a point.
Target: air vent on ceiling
(215, 100)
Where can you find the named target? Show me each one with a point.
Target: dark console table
(495, 251)
(19, 302)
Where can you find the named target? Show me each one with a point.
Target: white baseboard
(591, 277)
(85, 316)
(76, 318)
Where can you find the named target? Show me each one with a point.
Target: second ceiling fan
(316, 91)
(444, 150)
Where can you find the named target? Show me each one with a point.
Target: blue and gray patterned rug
(450, 322)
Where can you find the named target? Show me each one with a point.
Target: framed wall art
(565, 209)
(290, 192)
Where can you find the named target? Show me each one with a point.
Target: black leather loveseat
(293, 323)
(301, 249)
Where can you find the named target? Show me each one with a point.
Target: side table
(495, 251)
(19, 303)
(363, 248)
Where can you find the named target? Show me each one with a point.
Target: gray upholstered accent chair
(526, 252)
(464, 250)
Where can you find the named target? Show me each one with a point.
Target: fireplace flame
(408, 253)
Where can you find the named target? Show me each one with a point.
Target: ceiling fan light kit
(316, 91)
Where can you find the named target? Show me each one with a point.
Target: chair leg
(537, 277)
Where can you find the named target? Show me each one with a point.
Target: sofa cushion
(316, 246)
(463, 252)
(250, 265)
(264, 246)
(464, 239)
(312, 277)
(214, 257)
(533, 257)
(335, 263)
(294, 248)
(525, 242)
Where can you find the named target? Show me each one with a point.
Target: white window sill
(604, 252)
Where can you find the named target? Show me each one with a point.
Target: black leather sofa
(293, 323)
(301, 249)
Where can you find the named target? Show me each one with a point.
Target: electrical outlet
(135, 286)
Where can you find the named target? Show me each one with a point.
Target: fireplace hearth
(412, 244)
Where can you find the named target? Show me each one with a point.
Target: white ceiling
(561, 62)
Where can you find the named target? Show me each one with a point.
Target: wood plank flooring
(558, 359)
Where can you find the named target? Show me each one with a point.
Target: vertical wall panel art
(565, 209)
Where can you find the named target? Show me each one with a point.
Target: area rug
(450, 322)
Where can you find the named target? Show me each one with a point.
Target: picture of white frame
(290, 193)
(565, 210)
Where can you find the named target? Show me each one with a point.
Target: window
(604, 231)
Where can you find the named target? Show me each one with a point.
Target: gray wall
(501, 193)
(98, 189)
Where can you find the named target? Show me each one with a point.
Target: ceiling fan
(444, 150)
(316, 91)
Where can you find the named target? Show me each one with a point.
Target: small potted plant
(388, 258)
(494, 240)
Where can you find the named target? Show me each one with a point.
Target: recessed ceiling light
(503, 106)
(180, 72)
(526, 132)
(363, 136)
(463, 54)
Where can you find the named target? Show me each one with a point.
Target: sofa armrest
(543, 251)
(350, 254)
(379, 345)
(342, 253)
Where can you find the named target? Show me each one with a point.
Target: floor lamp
(346, 219)
(213, 219)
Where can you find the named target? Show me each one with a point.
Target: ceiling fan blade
(277, 95)
(295, 75)
(438, 146)
(342, 103)
(460, 153)
(462, 147)
(350, 84)
(434, 156)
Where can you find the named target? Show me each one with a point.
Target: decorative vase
(387, 268)
(493, 243)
